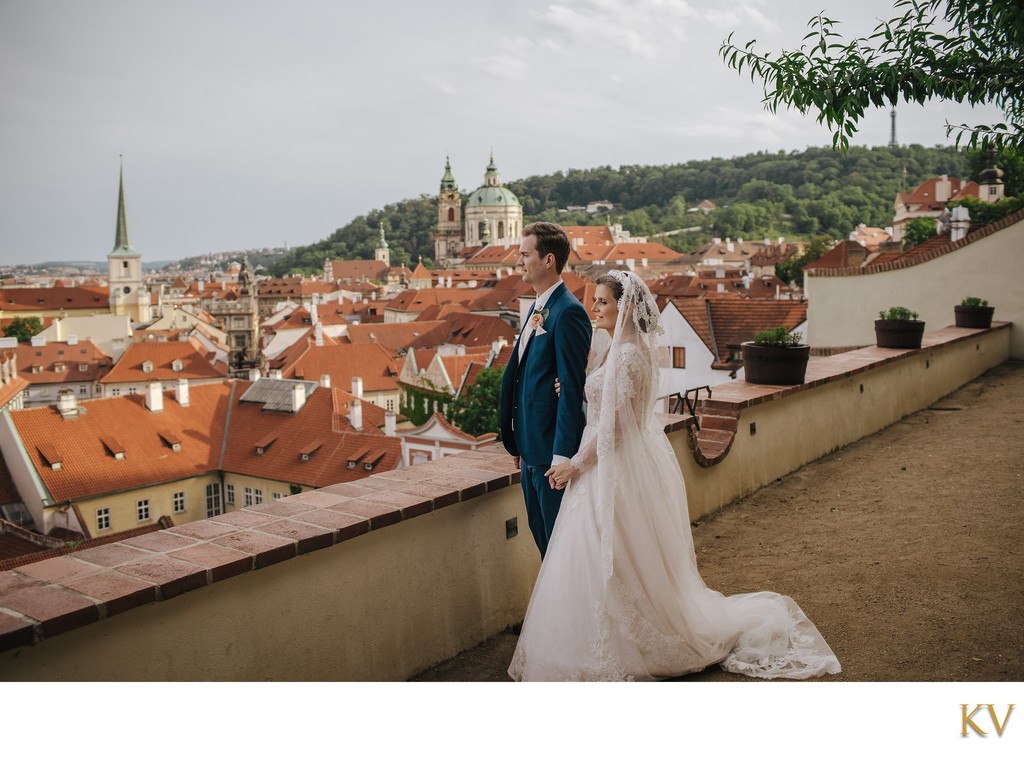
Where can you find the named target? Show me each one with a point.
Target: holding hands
(560, 475)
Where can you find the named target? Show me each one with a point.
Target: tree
(476, 410)
(919, 230)
(907, 58)
(23, 329)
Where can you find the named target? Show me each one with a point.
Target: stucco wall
(842, 309)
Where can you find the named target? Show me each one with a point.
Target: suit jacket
(536, 423)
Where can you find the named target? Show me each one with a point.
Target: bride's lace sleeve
(624, 396)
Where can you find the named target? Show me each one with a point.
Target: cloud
(644, 28)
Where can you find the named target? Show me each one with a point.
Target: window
(133, 391)
(253, 496)
(83, 390)
(142, 507)
(229, 494)
(102, 519)
(679, 358)
(276, 496)
(390, 404)
(248, 497)
(993, 190)
(179, 503)
(213, 499)
(240, 341)
(115, 392)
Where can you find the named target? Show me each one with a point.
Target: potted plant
(974, 313)
(775, 357)
(898, 328)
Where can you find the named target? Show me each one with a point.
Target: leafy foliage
(792, 269)
(919, 230)
(973, 302)
(983, 212)
(24, 328)
(906, 58)
(778, 336)
(476, 410)
(898, 314)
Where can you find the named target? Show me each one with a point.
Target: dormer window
(147, 366)
(264, 444)
(310, 450)
(177, 365)
(59, 367)
(83, 367)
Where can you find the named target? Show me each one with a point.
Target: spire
(448, 180)
(892, 135)
(491, 177)
(383, 242)
(122, 242)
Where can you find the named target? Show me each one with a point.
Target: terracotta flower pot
(974, 317)
(773, 364)
(898, 334)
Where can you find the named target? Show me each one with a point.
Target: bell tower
(448, 238)
(124, 270)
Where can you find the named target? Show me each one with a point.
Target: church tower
(448, 239)
(127, 294)
(382, 253)
(990, 180)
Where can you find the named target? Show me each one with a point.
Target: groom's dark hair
(552, 239)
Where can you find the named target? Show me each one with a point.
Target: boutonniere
(537, 320)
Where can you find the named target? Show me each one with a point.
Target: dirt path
(905, 548)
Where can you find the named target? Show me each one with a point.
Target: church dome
(492, 196)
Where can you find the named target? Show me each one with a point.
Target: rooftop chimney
(72, 339)
(67, 403)
(357, 387)
(356, 414)
(254, 374)
(325, 380)
(182, 391)
(389, 423)
(38, 341)
(318, 329)
(630, 263)
(314, 316)
(298, 397)
(155, 397)
(960, 224)
(276, 374)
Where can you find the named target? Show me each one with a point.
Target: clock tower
(124, 267)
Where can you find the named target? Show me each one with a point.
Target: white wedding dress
(619, 596)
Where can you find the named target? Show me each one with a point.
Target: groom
(539, 427)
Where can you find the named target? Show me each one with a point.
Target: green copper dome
(492, 196)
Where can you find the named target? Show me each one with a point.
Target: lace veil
(625, 421)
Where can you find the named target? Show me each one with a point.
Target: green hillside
(797, 194)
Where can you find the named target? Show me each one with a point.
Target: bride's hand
(558, 388)
(560, 475)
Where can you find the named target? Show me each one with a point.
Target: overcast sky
(248, 124)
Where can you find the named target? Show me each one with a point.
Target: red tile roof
(924, 195)
(54, 298)
(326, 464)
(60, 362)
(839, 256)
(471, 330)
(87, 466)
(359, 269)
(287, 287)
(415, 301)
(398, 336)
(723, 324)
(378, 366)
(195, 364)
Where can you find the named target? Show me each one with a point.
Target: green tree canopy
(476, 411)
(23, 328)
(918, 231)
(961, 50)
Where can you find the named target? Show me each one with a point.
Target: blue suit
(536, 423)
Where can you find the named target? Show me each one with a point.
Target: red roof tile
(54, 298)
(195, 364)
(60, 362)
(377, 366)
(87, 466)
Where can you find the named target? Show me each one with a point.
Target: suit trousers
(542, 504)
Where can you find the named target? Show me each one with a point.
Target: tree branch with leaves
(961, 50)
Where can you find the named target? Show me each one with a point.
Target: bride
(619, 596)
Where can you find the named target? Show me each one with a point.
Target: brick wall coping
(56, 595)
